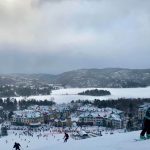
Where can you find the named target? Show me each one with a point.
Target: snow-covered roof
(39, 108)
(74, 119)
(109, 113)
(89, 108)
(57, 120)
(145, 106)
(27, 114)
(60, 107)
(115, 117)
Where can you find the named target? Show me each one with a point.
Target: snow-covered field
(67, 95)
(117, 141)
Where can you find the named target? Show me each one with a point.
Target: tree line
(10, 104)
(8, 91)
(95, 92)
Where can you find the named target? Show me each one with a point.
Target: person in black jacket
(146, 125)
(17, 146)
(66, 137)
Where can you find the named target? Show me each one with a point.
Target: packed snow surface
(117, 141)
(69, 94)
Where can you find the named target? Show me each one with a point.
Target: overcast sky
(53, 36)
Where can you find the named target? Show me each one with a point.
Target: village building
(60, 115)
(142, 110)
(27, 117)
(107, 117)
(56, 115)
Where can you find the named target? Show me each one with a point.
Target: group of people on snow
(145, 130)
(17, 145)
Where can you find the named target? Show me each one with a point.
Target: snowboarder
(17, 146)
(146, 125)
(66, 137)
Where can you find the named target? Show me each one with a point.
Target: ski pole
(21, 148)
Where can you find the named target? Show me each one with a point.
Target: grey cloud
(55, 36)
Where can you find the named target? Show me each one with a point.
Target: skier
(100, 133)
(17, 146)
(146, 125)
(66, 137)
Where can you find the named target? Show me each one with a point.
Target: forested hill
(109, 77)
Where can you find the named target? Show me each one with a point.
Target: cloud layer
(57, 35)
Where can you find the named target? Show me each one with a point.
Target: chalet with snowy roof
(27, 117)
(39, 108)
(62, 110)
(87, 108)
(44, 110)
(107, 117)
(142, 110)
(50, 113)
(63, 122)
(43, 114)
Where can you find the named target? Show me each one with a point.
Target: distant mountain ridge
(111, 77)
(108, 77)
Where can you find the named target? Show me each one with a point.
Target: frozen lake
(67, 95)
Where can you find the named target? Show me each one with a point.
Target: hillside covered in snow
(117, 141)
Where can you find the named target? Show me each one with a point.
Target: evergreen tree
(4, 131)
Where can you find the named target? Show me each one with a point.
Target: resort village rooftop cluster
(64, 115)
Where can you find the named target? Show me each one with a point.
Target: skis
(136, 140)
